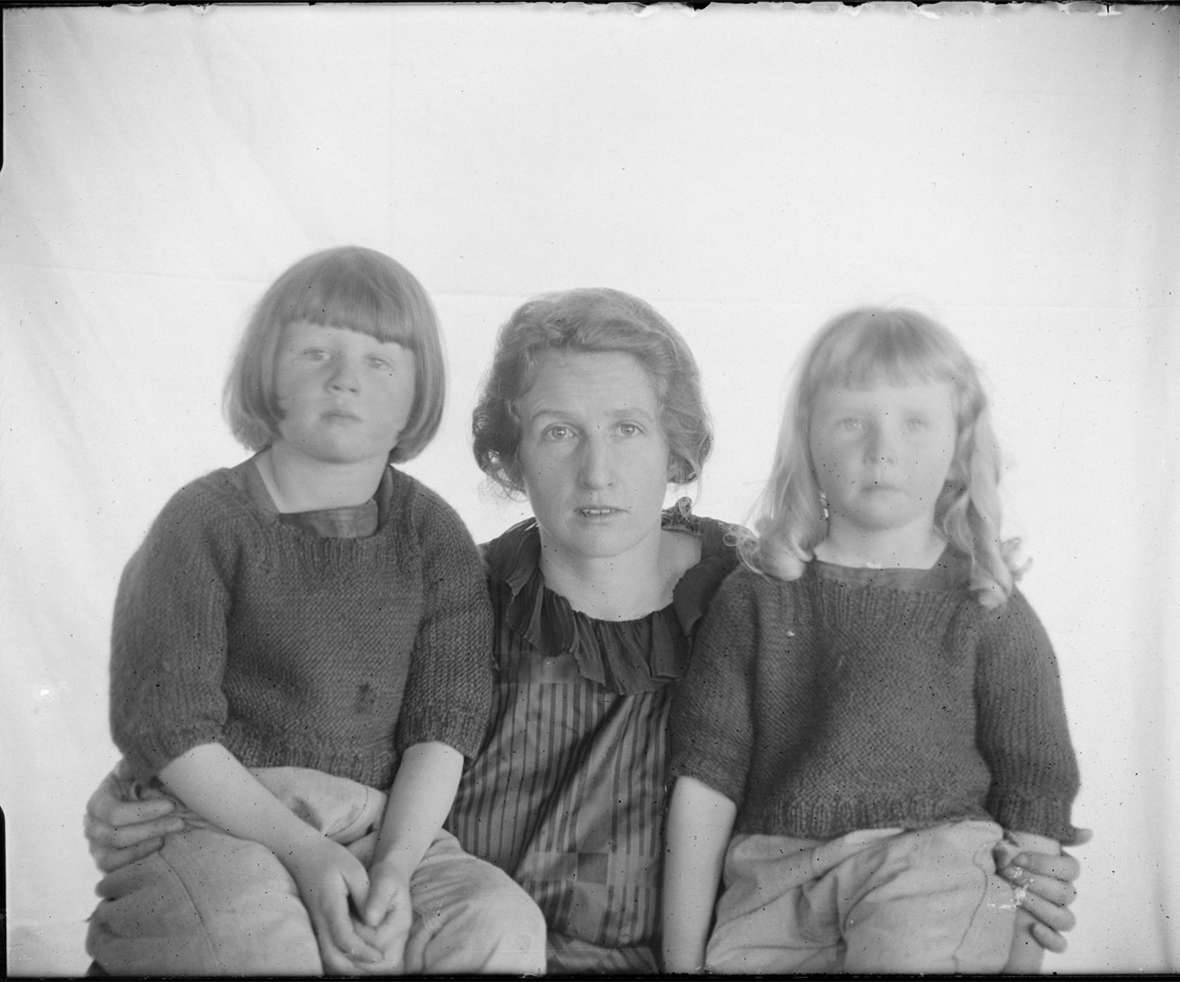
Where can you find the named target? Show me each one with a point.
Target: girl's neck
(624, 587)
(917, 547)
(299, 483)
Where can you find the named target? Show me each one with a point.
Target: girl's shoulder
(427, 513)
(213, 499)
(208, 520)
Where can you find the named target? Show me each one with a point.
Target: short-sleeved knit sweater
(294, 648)
(852, 698)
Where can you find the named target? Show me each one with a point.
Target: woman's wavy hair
(350, 287)
(862, 347)
(590, 320)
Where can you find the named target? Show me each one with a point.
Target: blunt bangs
(349, 287)
(353, 291)
(897, 347)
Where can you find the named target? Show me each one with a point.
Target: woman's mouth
(598, 511)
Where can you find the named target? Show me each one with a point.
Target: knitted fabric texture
(851, 699)
(294, 649)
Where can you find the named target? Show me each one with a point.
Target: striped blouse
(568, 792)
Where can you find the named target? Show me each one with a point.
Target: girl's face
(881, 454)
(592, 453)
(345, 396)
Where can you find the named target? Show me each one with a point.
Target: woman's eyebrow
(617, 413)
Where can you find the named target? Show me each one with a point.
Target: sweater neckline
(950, 571)
(628, 656)
(342, 522)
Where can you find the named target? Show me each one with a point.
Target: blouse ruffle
(624, 656)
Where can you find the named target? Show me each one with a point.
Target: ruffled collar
(624, 656)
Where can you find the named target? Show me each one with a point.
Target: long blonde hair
(897, 346)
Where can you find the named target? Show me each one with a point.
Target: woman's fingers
(1048, 911)
(131, 828)
(1049, 939)
(1051, 889)
(1063, 867)
(109, 860)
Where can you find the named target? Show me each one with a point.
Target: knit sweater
(850, 699)
(232, 625)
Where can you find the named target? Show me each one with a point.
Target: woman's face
(593, 457)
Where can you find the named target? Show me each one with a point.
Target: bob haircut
(590, 320)
(860, 348)
(350, 287)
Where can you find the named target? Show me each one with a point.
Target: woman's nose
(594, 469)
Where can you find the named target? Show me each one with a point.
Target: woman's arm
(699, 824)
(1026, 953)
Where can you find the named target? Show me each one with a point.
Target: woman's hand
(121, 828)
(1045, 889)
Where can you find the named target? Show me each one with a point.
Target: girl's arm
(214, 784)
(700, 821)
(1024, 736)
(421, 796)
(1049, 881)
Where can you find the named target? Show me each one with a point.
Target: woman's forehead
(594, 382)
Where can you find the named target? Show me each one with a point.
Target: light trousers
(875, 900)
(209, 903)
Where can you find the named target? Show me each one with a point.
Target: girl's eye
(316, 354)
(853, 424)
(630, 429)
(916, 423)
(380, 364)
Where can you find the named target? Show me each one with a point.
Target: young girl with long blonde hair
(873, 709)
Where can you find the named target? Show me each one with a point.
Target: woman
(592, 408)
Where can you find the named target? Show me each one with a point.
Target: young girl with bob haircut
(873, 708)
(300, 658)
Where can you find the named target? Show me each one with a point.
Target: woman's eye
(316, 354)
(380, 364)
(630, 429)
(557, 432)
(916, 423)
(854, 424)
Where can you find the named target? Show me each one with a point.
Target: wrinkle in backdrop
(749, 170)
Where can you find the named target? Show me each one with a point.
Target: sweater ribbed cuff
(457, 727)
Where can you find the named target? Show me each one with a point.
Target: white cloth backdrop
(748, 169)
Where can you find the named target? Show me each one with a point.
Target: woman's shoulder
(514, 554)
